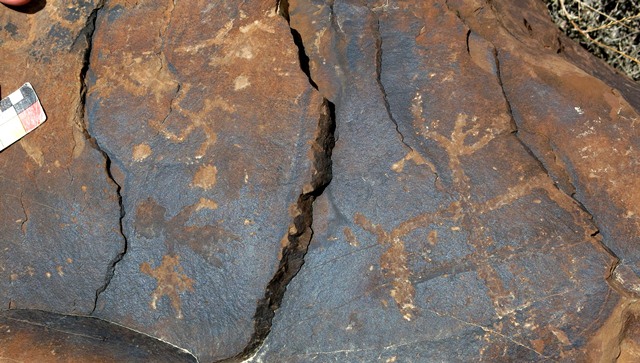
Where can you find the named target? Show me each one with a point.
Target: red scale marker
(20, 113)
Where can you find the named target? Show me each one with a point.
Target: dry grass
(609, 29)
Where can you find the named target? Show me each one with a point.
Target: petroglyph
(456, 145)
(416, 158)
(195, 121)
(171, 281)
(394, 260)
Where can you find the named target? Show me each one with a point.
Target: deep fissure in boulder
(300, 230)
(282, 9)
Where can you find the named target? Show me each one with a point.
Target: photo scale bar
(20, 113)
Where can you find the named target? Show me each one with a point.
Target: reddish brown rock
(59, 212)
(483, 205)
(38, 336)
(209, 125)
(445, 233)
(583, 129)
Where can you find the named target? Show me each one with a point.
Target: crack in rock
(596, 234)
(23, 224)
(282, 9)
(300, 231)
(498, 70)
(86, 34)
(387, 106)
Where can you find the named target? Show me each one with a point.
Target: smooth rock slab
(441, 237)
(39, 336)
(208, 121)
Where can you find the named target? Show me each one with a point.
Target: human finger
(14, 2)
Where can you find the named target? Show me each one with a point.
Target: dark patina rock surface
(473, 213)
(59, 212)
(483, 203)
(208, 122)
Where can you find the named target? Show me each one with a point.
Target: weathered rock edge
(82, 338)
